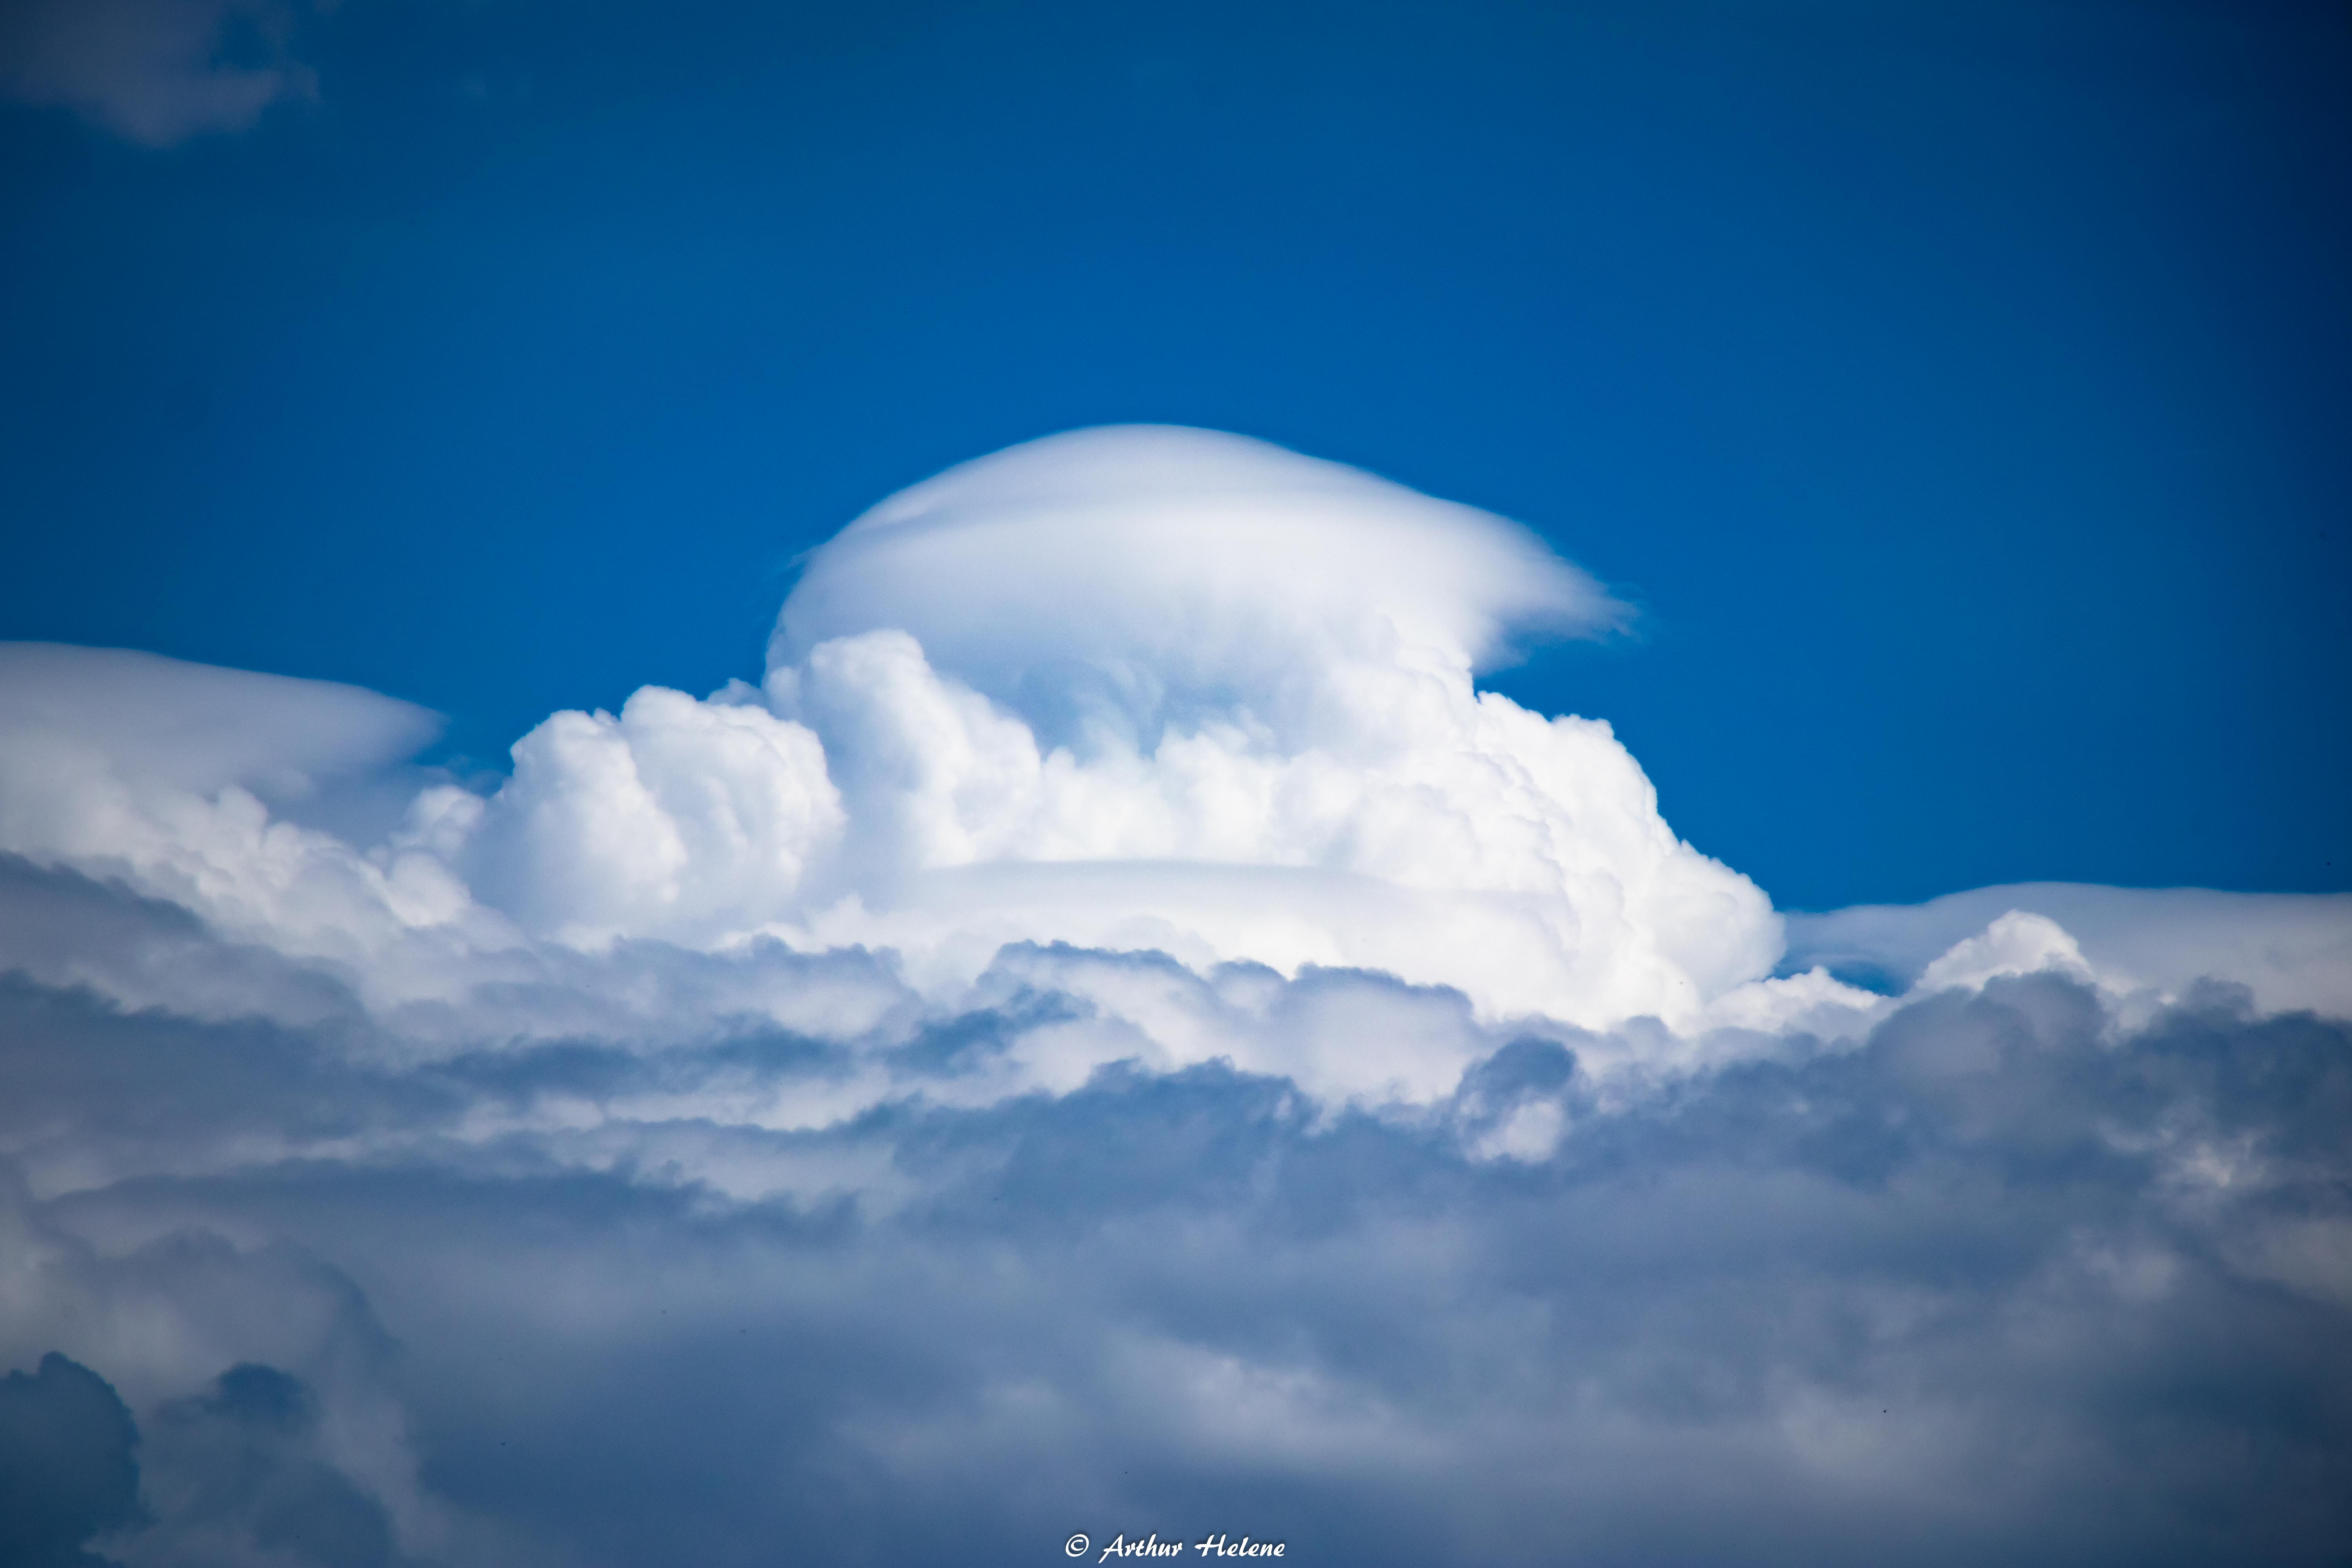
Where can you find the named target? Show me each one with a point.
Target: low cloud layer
(1116, 1033)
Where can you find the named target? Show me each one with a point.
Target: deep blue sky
(1964, 391)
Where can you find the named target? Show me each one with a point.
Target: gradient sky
(1960, 390)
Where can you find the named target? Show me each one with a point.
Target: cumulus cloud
(1116, 1032)
(152, 71)
(1167, 689)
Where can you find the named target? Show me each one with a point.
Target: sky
(1552, 784)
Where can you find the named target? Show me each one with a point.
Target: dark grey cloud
(66, 1467)
(243, 1477)
(2014, 1279)
(154, 71)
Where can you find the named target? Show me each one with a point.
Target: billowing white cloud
(690, 821)
(1146, 689)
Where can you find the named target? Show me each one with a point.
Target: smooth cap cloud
(1125, 575)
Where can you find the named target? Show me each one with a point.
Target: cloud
(1924, 1297)
(1115, 1032)
(247, 1476)
(152, 71)
(1136, 689)
(1104, 584)
(194, 782)
(66, 1466)
(188, 1325)
(2291, 951)
(1162, 688)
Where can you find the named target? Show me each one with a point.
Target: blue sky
(1959, 390)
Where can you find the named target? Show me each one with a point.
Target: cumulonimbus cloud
(1114, 1028)
(1154, 689)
